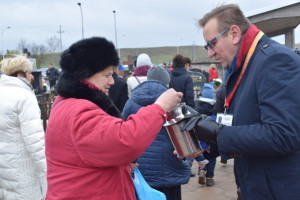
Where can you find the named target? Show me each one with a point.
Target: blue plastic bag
(143, 190)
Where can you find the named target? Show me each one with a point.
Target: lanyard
(249, 55)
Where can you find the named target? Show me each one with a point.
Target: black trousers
(172, 193)
(52, 83)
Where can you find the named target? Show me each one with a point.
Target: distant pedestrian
(52, 74)
(188, 63)
(120, 71)
(164, 65)
(181, 81)
(143, 64)
(206, 106)
(213, 72)
(119, 91)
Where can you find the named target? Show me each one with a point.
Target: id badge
(224, 119)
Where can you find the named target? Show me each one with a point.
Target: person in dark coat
(181, 81)
(205, 106)
(160, 167)
(52, 74)
(264, 138)
(119, 91)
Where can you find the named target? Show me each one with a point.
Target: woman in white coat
(22, 149)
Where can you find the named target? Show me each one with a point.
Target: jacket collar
(179, 71)
(16, 81)
(68, 87)
(246, 44)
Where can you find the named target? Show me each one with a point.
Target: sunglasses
(211, 44)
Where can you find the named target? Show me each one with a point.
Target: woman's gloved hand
(206, 128)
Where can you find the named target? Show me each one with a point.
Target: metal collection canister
(184, 142)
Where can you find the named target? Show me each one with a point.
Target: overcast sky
(140, 23)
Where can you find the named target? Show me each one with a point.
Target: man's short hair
(227, 15)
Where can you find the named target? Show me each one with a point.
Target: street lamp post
(79, 4)
(116, 32)
(3, 41)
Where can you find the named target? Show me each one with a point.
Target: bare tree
(36, 49)
(22, 44)
(53, 44)
(42, 49)
(32, 48)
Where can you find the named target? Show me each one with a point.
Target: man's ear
(236, 34)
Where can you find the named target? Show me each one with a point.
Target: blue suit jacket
(266, 128)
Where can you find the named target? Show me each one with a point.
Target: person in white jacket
(22, 148)
(143, 64)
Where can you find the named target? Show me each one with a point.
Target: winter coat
(205, 106)
(22, 148)
(139, 76)
(89, 148)
(266, 129)
(220, 99)
(213, 74)
(118, 92)
(52, 74)
(181, 81)
(158, 165)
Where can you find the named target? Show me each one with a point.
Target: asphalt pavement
(224, 189)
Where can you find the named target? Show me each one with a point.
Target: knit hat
(143, 59)
(158, 73)
(208, 91)
(87, 57)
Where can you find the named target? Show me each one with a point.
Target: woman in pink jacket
(88, 146)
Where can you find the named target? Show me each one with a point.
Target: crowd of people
(102, 126)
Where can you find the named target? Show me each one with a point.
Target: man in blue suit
(262, 104)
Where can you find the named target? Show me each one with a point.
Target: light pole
(3, 42)
(79, 4)
(60, 32)
(116, 32)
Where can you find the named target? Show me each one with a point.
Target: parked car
(44, 74)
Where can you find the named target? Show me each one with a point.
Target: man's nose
(210, 52)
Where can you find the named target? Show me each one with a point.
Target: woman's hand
(169, 99)
(133, 166)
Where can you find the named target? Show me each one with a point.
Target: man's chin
(225, 65)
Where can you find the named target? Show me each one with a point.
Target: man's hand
(206, 129)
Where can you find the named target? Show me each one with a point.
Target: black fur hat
(87, 57)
